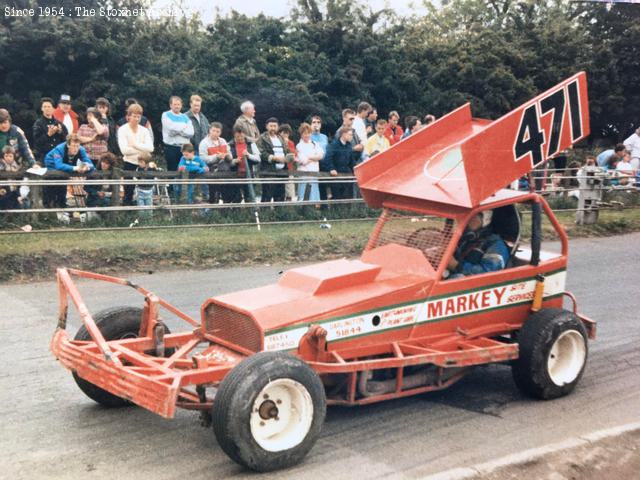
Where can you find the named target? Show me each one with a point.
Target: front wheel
(553, 354)
(115, 324)
(268, 411)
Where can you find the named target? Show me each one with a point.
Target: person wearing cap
(65, 114)
(13, 136)
(274, 156)
(94, 135)
(480, 249)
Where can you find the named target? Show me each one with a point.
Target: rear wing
(459, 160)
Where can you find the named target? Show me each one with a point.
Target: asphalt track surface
(50, 430)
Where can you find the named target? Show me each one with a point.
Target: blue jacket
(489, 253)
(58, 159)
(196, 165)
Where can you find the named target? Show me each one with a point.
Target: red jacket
(58, 114)
(394, 137)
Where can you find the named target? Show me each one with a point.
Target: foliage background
(327, 55)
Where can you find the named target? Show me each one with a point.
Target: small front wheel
(553, 354)
(116, 323)
(268, 411)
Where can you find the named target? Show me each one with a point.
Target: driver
(480, 249)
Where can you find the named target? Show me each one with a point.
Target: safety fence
(171, 195)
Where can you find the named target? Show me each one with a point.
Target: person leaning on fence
(145, 190)
(68, 157)
(274, 155)
(339, 159)
(247, 122)
(244, 155)
(102, 195)
(194, 165)
(13, 136)
(604, 158)
(11, 196)
(310, 154)
(134, 141)
(94, 135)
(214, 151)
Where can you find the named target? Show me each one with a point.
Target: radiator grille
(232, 326)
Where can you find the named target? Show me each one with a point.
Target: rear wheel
(268, 411)
(553, 354)
(115, 324)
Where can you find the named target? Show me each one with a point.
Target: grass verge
(29, 257)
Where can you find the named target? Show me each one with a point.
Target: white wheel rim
(281, 416)
(566, 357)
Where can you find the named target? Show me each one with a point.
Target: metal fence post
(591, 182)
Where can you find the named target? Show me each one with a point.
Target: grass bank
(28, 257)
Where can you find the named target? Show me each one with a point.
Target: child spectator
(190, 162)
(12, 197)
(285, 131)
(213, 149)
(378, 142)
(94, 135)
(101, 195)
(309, 155)
(145, 190)
(244, 155)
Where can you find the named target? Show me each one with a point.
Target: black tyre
(268, 411)
(115, 324)
(553, 354)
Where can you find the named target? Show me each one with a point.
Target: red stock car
(262, 365)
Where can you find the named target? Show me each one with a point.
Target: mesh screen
(232, 326)
(430, 235)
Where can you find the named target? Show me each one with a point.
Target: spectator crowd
(64, 141)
